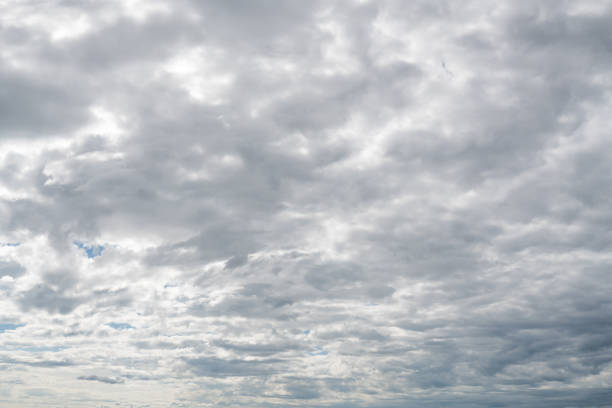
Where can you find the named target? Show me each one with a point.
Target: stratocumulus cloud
(346, 203)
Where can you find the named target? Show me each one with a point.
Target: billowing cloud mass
(342, 203)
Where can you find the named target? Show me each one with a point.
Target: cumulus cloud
(339, 203)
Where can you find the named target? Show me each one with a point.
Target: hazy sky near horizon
(372, 204)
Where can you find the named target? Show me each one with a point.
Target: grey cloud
(159, 345)
(61, 279)
(369, 204)
(35, 107)
(12, 269)
(262, 350)
(51, 295)
(325, 277)
(49, 299)
(50, 364)
(248, 306)
(106, 380)
(215, 367)
(214, 244)
(41, 363)
(266, 24)
(302, 391)
(367, 335)
(236, 261)
(117, 298)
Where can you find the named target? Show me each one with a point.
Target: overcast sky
(275, 203)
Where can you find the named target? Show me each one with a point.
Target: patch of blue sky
(319, 352)
(120, 326)
(9, 326)
(306, 332)
(91, 250)
(10, 244)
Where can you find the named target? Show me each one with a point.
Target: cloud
(215, 367)
(51, 294)
(345, 203)
(40, 363)
(303, 391)
(36, 106)
(12, 269)
(105, 380)
(49, 299)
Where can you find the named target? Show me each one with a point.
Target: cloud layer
(303, 203)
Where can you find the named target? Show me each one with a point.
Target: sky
(339, 203)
